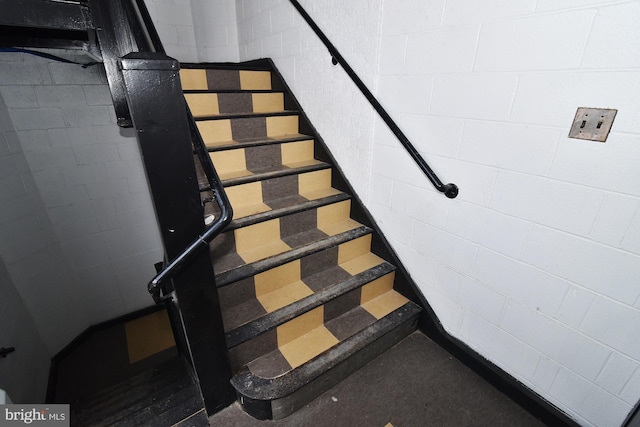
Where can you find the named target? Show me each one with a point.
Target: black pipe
(226, 213)
(450, 190)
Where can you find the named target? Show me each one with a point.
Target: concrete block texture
(546, 230)
(71, 176)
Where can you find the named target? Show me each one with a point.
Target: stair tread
(272, 308)
(225, 116)
(251, 214)
(275, 173)
(251, 142)
(167, 392)
(269, 170)
(268, 378)
(242, 270)
(274, 236)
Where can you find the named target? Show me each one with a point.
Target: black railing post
(158, 114)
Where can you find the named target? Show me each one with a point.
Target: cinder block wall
(81, 246)
(536, 264)
(273, 29)
(23, 374)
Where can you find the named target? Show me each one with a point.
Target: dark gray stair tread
(242, 270)
(228, 261)
(230, 91)
(166, 395)
(253, 386)
(274, 172)
(226, 116)
(157, 375)
(334, 286)
(254, 142)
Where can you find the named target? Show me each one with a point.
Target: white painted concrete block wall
(536, 263)
(23, 374)
(215, 28)
(273, 29)
(86, 250)
(174, 23)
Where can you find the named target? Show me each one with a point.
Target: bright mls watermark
(34, 415)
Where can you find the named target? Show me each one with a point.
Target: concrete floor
(415, 383)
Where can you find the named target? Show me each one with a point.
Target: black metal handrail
(450, 190)
(147, 39)
(224, 218)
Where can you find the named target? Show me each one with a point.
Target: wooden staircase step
(224, 79)
(274, 296)
(251, 142)
(245, 245)
(224, 130)
(244, 270)
(243, 162)
(165, 394)
(272, 388)
(214, 104)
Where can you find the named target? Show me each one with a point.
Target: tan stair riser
(219, 132)
(213, 104)
(282, 341)
(353, 257)
(272, 237)
(262, 196)
(218, 79)
(271, 290)
(249, 160)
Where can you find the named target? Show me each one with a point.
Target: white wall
(174, 23)
(341, 114)
(23, 374)
(216, 34)
(80, 243)
(196, 30)
(536, 264)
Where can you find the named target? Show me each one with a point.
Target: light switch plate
(592, 123)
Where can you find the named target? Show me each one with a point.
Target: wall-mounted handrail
(223, 219)
(450, 190)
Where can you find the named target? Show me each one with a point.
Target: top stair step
(224, 79)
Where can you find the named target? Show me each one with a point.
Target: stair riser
(218, 132)
(251, 160)
(319, 317)
(213, 104)
(219, 80)
(259, 241)
(361, 349)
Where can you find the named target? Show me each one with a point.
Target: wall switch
(592, 123)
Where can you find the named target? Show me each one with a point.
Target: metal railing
(224, 218)
(450, 190)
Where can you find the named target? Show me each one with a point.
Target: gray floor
(415, 383)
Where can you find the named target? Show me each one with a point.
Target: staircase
(166, 395)
(305, 299)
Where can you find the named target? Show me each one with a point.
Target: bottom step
(166, 395)
(275, 398)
